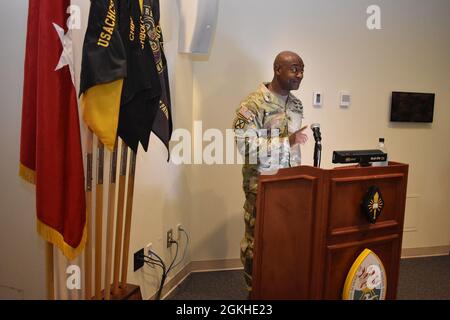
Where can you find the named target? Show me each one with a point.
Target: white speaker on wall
(198, 20)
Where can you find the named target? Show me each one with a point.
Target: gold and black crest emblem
(239, 124)
(372, 204)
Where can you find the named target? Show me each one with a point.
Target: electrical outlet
(169, 238)
(178, 231)
(148, 248)
(138, 259)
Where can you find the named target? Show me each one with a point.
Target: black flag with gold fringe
(141, 90)
(162, 125)
(104, 68)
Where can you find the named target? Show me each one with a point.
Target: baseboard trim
(425, 252)
(198, 266)
(216, 265)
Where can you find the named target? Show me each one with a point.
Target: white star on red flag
(67, 54)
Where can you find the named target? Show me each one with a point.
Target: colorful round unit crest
(366, 279)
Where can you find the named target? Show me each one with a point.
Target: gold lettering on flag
(164, 109)
(108, 29)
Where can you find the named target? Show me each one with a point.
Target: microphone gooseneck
(315, 127)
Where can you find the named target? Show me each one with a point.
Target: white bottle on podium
(381, 146)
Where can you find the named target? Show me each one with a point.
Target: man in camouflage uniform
(268, 128)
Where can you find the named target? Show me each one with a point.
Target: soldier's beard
(295, 84)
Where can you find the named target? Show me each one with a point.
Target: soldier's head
(288, 70)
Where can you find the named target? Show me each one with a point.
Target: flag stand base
(130, 292)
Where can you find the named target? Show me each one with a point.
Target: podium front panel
(340, 258)
(310, 229)
(347, 193)
(285, 232)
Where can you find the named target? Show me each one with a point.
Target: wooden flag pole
(129, 209)
(119, 223)
(50, 271)
(110, 222)
(88, 252)
(99, 220)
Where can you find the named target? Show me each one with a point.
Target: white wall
(22, 252)
(409, 53)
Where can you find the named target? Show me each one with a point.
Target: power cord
(185, 248)
(154, 259)
(159, 262)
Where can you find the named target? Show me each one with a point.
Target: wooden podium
(310, 229)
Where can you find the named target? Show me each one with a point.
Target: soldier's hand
(298, 137)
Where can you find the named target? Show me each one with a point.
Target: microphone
(315, 127)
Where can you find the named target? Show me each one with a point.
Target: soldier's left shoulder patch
(245, 114)
(239, 123)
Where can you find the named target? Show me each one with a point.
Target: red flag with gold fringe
(50, 150)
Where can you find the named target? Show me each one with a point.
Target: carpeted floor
(424, 279)
(420, 279)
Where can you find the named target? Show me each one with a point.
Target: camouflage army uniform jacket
(262, 127)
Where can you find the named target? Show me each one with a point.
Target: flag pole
(129, 209)
(119, 223)
(50, 271)
(110, 222)
(99, 221)
(88, 252)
